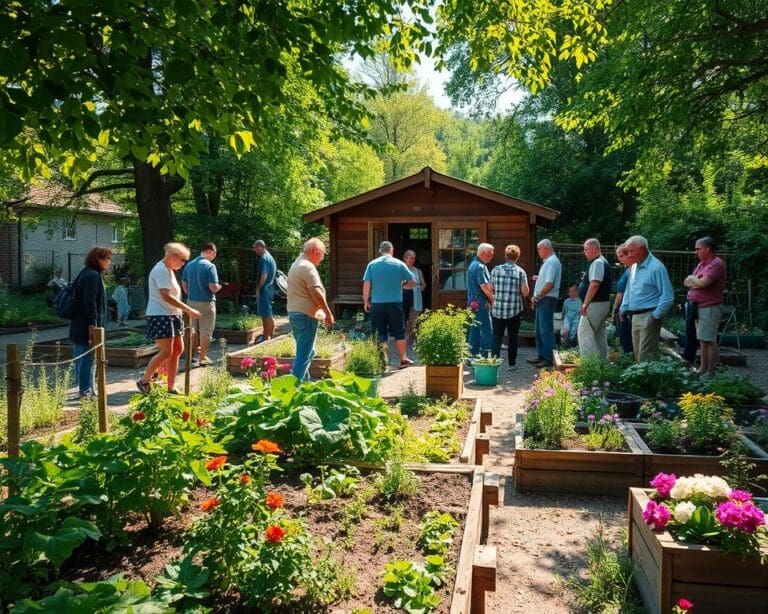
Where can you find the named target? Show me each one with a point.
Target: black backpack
(281, 285)
(65, 302)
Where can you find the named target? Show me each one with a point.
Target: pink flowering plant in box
(265, 367)
(706, 510)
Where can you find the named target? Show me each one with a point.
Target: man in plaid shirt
(510, 286)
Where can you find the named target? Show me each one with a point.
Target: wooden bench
(346, 300)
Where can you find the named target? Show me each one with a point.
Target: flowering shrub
(706, 510)
(708, 422)
(266, 366)
(604, 433)
(550, 415)
(594, 402)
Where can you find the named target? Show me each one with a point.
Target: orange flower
(185, 415)
(245, 478)
(275, 500)
(216, 463)
(209, 504)
(139, 415)
(274, 534)
(201, 421)
(266, 446)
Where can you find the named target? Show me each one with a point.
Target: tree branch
(114, 186)
(107, 172)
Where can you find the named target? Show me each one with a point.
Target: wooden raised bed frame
(448, 380)
(116, 357)
(666, 570)
(581, 472)
(478, 442)
(238, 337)
(319, 367)
(559, 364)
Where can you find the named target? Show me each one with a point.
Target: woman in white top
(413, 301)
(163, 314)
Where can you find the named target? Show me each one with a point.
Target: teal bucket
(486, 375)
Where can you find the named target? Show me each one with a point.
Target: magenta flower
(474, 305)
(741, 496)
(247, 363)
(268, 362)
(663, 483)
(657, 515)
(272, 372)
(684, 604)
(746, 517)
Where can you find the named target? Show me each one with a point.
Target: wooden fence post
(13, 390)
(101, 378)
(187, 352)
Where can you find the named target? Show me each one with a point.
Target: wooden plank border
(478, 443)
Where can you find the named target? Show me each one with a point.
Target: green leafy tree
(349, 168)
(152, 79)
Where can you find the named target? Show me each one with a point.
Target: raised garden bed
(240, 330)
(319, 367)
(582, 472)
(560, 362)
(667, 570)
(526, 338)
(689, 464)
(133, 356)
(465, 492)
(754, 341)
(445, 380)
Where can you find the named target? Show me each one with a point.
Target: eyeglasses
(697, 248)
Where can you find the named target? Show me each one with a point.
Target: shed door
(377, 232)
(454, 245)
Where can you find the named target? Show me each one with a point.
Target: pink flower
(247, 363)
(272, 373)
(745, 517)
(474, 305)
(684, 604)
(742, 496)
(285, 366)
(657, 515)
(268, 362)
(663, 483)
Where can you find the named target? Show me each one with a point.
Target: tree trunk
(153, 204)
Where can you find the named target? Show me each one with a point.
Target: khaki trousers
(592, 334)
(646, 333)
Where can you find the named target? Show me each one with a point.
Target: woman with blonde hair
(163, 314)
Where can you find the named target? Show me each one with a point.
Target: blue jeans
(481, 334)
(83, 368)
(304, 329)
(545, 328)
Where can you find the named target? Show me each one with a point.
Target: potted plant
(699, 539)
(441, 344)
(365, 359)
(486, 370)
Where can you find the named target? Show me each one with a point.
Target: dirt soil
(363, 553)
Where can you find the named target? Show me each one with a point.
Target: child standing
(120, 296)
(571, 307)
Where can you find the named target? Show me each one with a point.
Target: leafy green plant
(397, 482)
(23, 310)
(411, 585)
(732, 387)
(182, 584)
(442, 441)
(708, 423)
(332, 484)
(130, 340)
(436, 532)
(387, 528)
(489, 361)
(326, 346)
(594, 370)
(657, 378)
(663, 434)
(238, 321)
(411, 403)
(364, 359)
(550, 415)
(441, 336)
(604, 433)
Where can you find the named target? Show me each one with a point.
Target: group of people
(644, 295)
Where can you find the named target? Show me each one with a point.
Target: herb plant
(550, 415)
(364, 359)
(441, 336)
(397, 482)
(604, 433)
(595, 371)
(657, 378)
(333, 483)
(436, 532)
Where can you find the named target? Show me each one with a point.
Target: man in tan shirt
(307, 304)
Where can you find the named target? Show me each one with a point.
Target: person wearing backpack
(91, 300)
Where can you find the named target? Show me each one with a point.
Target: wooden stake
(187, 352)
(101, 377)
(13, 388)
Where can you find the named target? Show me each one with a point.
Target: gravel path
(540, 539)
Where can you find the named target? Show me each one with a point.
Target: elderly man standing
(307, 304)
(480, 301)
(706, 288)
(265, 288)
(546, 291)
(200, 282)
(647, 298)
(595, 294)
(383, 282)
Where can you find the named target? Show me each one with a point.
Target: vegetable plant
(732, 387)
(657, 378)
(441, 336)
(333, 483)
(436, 532)
(411, 586)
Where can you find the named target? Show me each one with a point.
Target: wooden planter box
(133, 357)
(445, 380)
(318, 368)
(688, 464)
(745, 340)
(581, 472)
(559, 364)
(666, 570)
(237, 337)
(478, 442)
(526, 338)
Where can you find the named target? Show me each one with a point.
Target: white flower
(683, 511)
(709, 486)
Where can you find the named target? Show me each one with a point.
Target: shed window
(418, 233)
(69, 231)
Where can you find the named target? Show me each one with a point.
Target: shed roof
(544, 215)
(51, 195)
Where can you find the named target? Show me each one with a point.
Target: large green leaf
(58, 546)
(326, 427)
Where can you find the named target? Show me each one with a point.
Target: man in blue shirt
(200, 282)
(480, 300)
(265, 288)
(648, 297)
(544, 301)
(383, 283)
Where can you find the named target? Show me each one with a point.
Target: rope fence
(28, 363)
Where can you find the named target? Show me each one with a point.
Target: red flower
(268, 362)
(216, 463)
(275, 500)
(185, 415)
(274, 534)
(266, 446)
(684, 604)
(209, 504)
(139, 415)
(201, 421)
(245, 478)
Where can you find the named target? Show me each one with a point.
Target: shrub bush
(441, 336)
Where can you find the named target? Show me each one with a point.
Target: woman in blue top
(91, 299)
(623, 323)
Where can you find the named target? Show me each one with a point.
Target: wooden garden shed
(441, 218)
